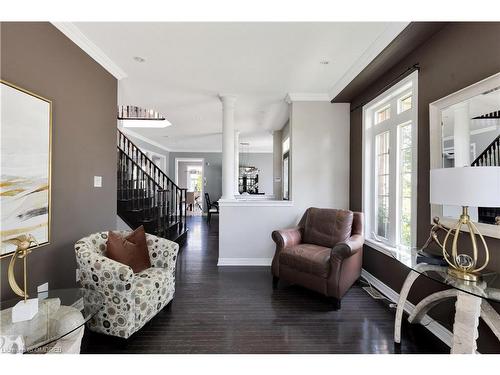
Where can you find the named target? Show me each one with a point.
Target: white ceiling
(188, 64)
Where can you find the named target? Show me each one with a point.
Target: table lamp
(466, 187)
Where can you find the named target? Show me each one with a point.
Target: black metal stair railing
(490, 157)
(146, 195)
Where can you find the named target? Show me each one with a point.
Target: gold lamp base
(467, 276)
(464, 266)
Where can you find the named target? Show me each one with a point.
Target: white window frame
(370, 130)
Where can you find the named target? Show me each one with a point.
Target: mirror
(465, 131)
(471, 137)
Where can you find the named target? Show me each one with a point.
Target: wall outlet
(97, 181)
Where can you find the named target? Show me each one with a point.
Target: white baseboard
(244, 262)
(433, 326)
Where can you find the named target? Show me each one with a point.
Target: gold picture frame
(18, 232)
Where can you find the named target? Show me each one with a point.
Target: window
(390, 167)
(286, 169)
(404, 103)
(286, 180)
(286, 145)
(382, 176)
(383, 114)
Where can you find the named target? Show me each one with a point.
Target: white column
(461, 142)
(461, 133)
(228, 102)
(236, 162)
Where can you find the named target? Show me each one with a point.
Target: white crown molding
(144, 139)
(307, 97)
(384, 39)
(76, 36)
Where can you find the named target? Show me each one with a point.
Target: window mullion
(393, 185)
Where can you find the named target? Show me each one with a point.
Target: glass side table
(472, 302)
(57, 327)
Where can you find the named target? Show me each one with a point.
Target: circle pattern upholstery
(130, 300)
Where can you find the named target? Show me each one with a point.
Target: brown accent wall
(452, 57)
(39, 58)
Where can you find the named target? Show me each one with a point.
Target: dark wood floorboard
(236, 310)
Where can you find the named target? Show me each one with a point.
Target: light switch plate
(97, 181)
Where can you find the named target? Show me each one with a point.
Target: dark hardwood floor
(236, 310)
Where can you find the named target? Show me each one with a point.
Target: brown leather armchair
(323, 253)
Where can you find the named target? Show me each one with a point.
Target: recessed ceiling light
(324, 62)
(139, 59)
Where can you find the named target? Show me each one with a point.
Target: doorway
(189, 175)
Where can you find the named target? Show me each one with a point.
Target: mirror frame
(436, 149)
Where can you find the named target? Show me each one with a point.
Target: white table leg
(403, 295)
(491, 318)
(465, 332)
(429, 302)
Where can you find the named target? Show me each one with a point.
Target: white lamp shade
(466, 186)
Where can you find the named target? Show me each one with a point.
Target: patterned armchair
(130, 300)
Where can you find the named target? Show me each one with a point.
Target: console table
(57, 327)
(472, 303)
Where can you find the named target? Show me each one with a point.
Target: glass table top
(60, 312)
(487, 287)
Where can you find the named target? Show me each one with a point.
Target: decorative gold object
(24, 244)
(463, 266)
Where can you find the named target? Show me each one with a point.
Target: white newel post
(228, 102)
(236, 162)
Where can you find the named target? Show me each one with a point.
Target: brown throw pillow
(131, 250)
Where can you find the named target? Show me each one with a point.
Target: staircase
(147, 196)
(490, 157)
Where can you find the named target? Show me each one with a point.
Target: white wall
(145, 145)
(245, 231)
(121, 225)
(264, 162)
(320, 155)
(320, 177)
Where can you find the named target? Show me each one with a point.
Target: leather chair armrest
(346, 249)
(287, 237)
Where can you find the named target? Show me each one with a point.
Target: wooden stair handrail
(144, 156)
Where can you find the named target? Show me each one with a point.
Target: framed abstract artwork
(25, 129)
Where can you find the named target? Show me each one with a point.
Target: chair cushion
(307, 258)
(131, 250)
(327, 227)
